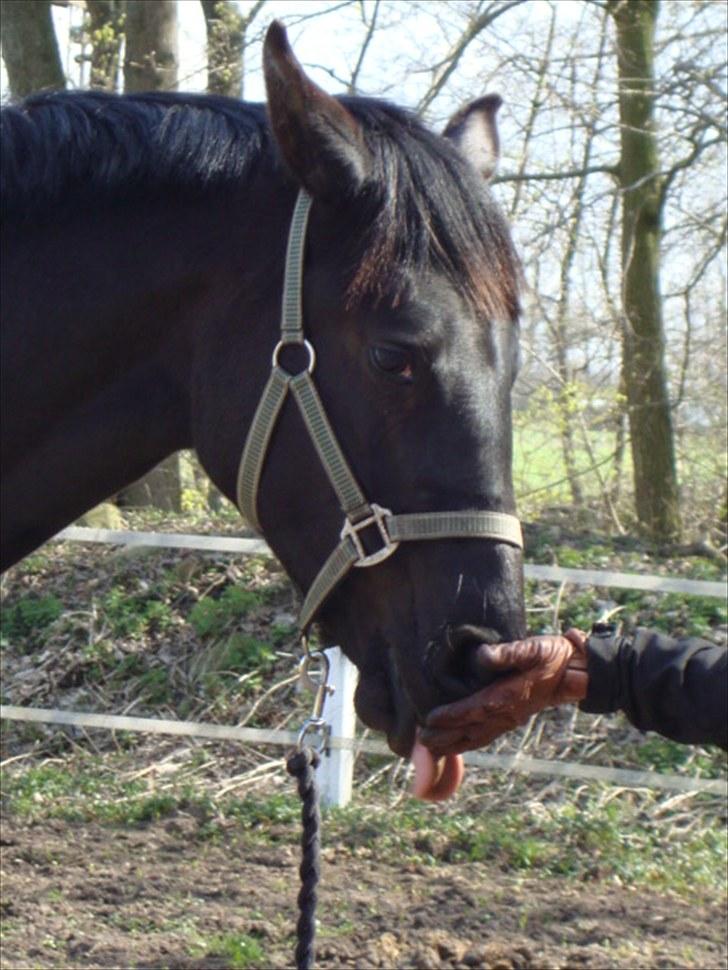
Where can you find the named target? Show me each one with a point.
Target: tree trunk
(105, 34)
(151, 57)
(150, 64)
(29, 47)
(225, 37)
(160, 488)
(655, 477)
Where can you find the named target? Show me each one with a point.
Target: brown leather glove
(535, 673)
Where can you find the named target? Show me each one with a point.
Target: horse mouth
(451, 660)
(385, 701)
(383, 705)
(403, 743)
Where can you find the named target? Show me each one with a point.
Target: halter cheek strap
(359, 514)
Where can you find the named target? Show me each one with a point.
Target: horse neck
(100, 321)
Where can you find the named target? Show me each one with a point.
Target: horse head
(410, 301)
(178, 206)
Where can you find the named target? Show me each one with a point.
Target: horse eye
(394, 362)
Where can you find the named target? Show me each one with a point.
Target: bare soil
(160, 896)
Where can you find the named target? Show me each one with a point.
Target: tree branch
(573, 173)
(698, 148)
(364, 47)
(452, 60)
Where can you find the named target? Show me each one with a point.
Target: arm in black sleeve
(677, 687)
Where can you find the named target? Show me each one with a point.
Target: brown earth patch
(85, 895)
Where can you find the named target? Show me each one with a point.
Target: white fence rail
(257, 547)
(626, 777)
(337, 767)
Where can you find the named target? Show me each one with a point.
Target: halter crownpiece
(359, 514)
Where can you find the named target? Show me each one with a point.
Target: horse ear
(321, 142)
(474, 131)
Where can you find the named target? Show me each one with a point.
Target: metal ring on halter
(290, 343)
(316, 726)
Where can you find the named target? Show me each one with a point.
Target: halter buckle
(351, 530)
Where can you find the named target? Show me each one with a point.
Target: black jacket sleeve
(677, 687)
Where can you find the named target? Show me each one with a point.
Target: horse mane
(424, 206)
(62, 150)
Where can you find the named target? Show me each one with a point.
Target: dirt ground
(79, 895)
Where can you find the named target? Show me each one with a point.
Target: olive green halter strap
(359, 514)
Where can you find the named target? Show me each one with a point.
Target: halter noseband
(359, 514)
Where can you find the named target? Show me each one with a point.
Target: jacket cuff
(604, 688)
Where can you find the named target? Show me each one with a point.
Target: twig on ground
(286, 682)
(249, 777)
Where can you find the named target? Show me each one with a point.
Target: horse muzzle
(451, 660)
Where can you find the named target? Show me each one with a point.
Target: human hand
(536, 673)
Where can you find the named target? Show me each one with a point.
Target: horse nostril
(451, 659)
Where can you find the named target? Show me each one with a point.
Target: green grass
(691, 615)
(241, 652)
(89, 791)
(660, 754)
(579, 837)
(584, 841)
(232, 652)
(539, 474)
(538, 468)
(240, 951)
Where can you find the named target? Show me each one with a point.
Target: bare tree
(645, 380)
(227, 38)
(562, 134)
(151, 60)
(105, 33)
(29, 47)
(476, 25)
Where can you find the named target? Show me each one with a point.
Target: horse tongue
(435, 778)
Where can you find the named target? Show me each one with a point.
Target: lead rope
(302, 764)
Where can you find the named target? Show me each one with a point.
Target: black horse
(144, 242)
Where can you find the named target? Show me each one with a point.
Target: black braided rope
(302, 765)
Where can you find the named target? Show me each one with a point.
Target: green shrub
(29, 616)
(134, 614)
(154, 686)
(211, 617)
(282, 633)
(232, 656)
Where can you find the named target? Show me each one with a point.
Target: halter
(359, 514)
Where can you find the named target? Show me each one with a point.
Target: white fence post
(337, 767)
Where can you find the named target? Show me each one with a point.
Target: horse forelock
(427, 210)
